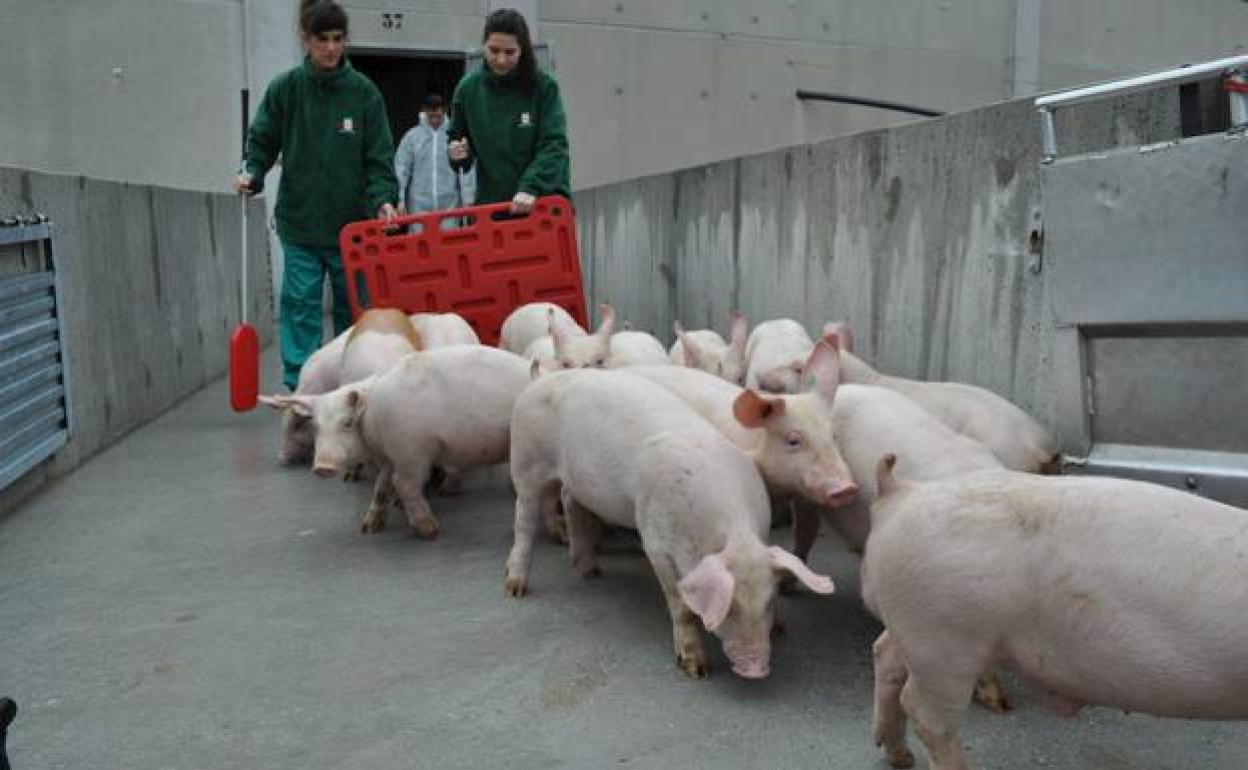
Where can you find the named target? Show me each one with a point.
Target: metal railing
(1235, 69)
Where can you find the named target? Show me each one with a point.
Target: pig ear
(356, 403)
(277, 401)
(752, 410)
(823, 369)
(707, 590)
(739, 332)
(783, 560)
(693, 356)
(608, 320)
(303, 406)
(842, 332)
(885, 481)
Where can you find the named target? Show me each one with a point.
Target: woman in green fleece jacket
(328, 123)
(508, 119)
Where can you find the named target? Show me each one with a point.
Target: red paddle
(244, 342)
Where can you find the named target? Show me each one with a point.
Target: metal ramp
(1147, 252)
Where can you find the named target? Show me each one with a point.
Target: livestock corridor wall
(150, 283)
(928, 238)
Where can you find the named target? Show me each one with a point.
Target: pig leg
(411, 488)
(580, 537)
(805, 530)
(690, 655)
(936, 694)
(529, 506)
(889, 720)
(383, 493)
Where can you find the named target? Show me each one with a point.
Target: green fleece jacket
(517, 139)
(337, 154)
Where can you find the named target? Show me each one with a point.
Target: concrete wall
(927, 238)
(147, 90)
(150, 284)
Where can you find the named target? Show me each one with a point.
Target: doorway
(405, 77)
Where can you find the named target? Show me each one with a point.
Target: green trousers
(302, 281)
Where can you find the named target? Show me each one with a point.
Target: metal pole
(882, 104)
(1048, 134)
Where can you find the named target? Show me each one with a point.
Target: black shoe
(8, 710)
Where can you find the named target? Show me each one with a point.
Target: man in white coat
(426, 180)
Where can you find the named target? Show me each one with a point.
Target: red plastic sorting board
(477, 262)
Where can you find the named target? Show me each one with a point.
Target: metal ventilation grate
(34, 410)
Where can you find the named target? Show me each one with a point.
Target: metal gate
(34, 410)
(1147, 253)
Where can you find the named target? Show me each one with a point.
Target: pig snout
(840, 494)
(325, 470)
(749, 661)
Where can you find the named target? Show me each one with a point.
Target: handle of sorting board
(499, 212)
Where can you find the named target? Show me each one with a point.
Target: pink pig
(638, 457)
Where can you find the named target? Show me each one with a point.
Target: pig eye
(793, 440)
(348, 424)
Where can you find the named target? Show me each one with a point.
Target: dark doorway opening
(404, 77)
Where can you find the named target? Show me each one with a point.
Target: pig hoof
(900, 757)
(372, 524)
(515, 587)
(429, 529)
(695, 667)
(591, 573)
(994, 698)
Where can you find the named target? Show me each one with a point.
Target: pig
(774, 356)
(320, 374)
(843, 429)
(531, 322)
(638, 457)
(635, 348)
(791, 438)
(572, 348)
(439, 330)
(704, 349)
(1095, 591)
(448, 407)
(377, 339)
(1018, 441)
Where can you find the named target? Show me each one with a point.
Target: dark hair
(506, 21)
(433, 101)
(317, 16)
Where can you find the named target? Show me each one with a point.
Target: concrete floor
(183, 603)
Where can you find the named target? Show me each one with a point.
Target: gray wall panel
(149, 285)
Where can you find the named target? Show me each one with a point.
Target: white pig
(531, 322)
(843, 431)
(634, 348)
(318, 375)
(638, 457)
(439, 330)
(791, 438)
(774, 356)
(1018, 441)
(1095, 591)
(572, 348)
(704, 349)
(449, 407)
(380, 337)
